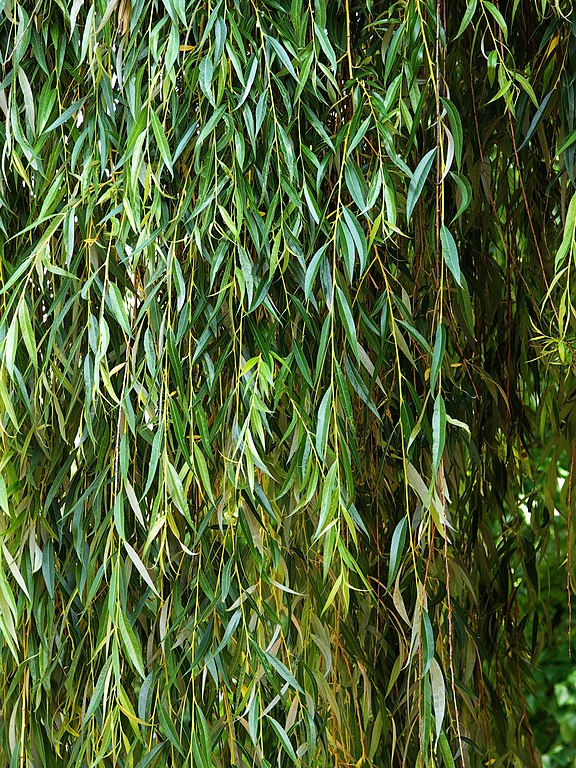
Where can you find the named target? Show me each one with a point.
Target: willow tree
(286, 378)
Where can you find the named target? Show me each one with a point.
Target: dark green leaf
(418, 180)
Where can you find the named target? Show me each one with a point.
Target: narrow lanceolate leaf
(141, 568)
(329, 494)
(450, 253)
(465, 191)
(66, 115)
(358, 237)
(312, 270)
(249, 82)
(15, 570)
(98, 690)
(397, 549)
(161, 140)
(355, 186)
(28, 99)
(467, 18)
(418, 180)
(149, 758)
(323, 423)
(326, 46)
(536, 119)
(427, 637)
(284, 740)
(27, 332)
(445, 751)
(495, 12)
(3, 496)
(10, 345)
(437, 356)
(202, 471)
(438, 695)
(118, 307)
(176, 489)
(284, 672)
(438, 431)
(456, 129)
(205, 78)
(569, 231)
(130, 643)
(347, 320)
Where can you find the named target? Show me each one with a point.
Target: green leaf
(98, 691)
(466, 307)
(118, 308)
(149, 757)
(437, 356)
(168, 729)
(569, 140)
(459, 424)
(282, 55)
(176, 489)
(347, 320)
(536, 119)
(417, 182)
(324, 416)
(4, 496)
(284, 740)
(202, 469)
(209, 126)
(246, 271)
(445, 751)
(140, 567)
(465, 192)
(253, 718)
(450, 253)
(326, 46)
(356, 185)
(397, 549)
(438, 695)
(568, 238)
(10, 345)
(333, 592)
(249, 82)
(154, 456)
(438, 431)
(66, 115)
(348, 249)
(312, 270)
(328, 496)
(8, 405)
(416, 335)
(27, 332)
(284, 672)
(49, 568)
(357, 137)
(161, 140)
(130, 643)
(29, 102)
(230, 629)
(205, 74)
(497, 16)
(467, 18)
(353, 226)
(427, 643)
(455, 128)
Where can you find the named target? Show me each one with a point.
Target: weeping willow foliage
(286, 378)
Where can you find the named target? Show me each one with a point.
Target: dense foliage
(552, 700)
(286, 378)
